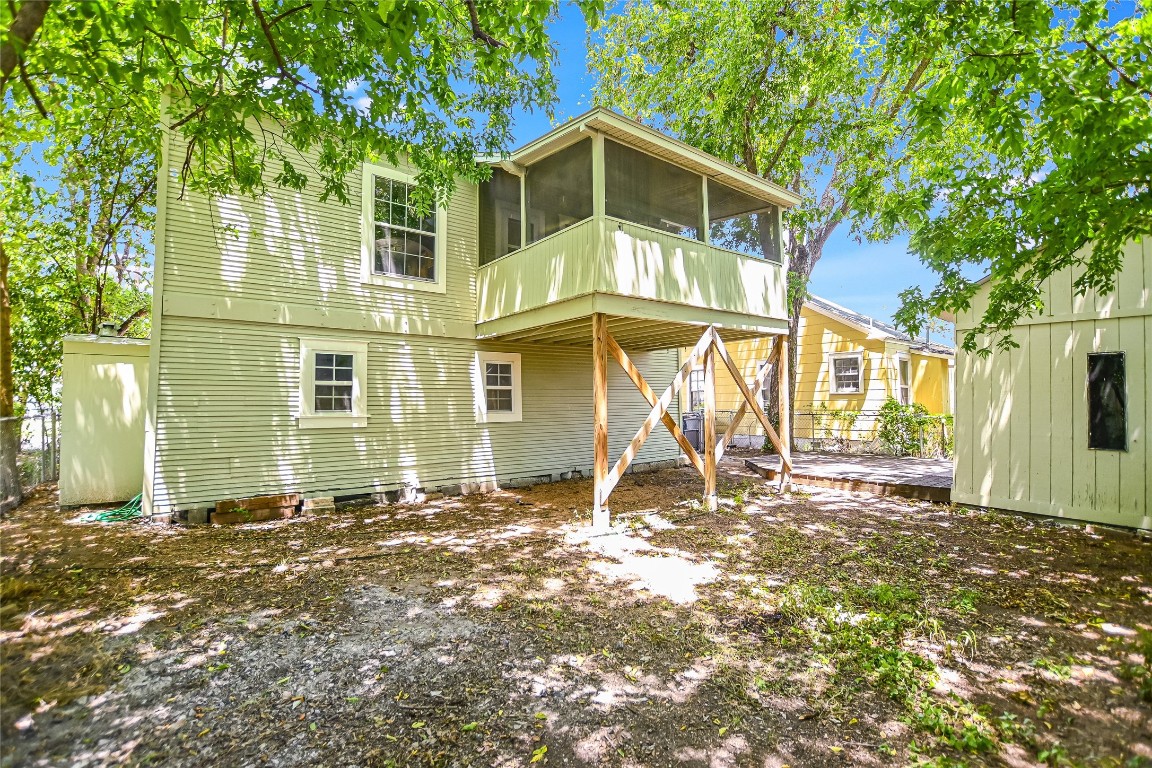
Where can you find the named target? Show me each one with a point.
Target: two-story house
(329, 349)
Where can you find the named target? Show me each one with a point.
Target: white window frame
(766, 390)
(368, 275)
(480, 394)
(306, 415)
(833, 387)
(902, 385)
(696, 375)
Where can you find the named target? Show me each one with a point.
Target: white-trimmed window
(402, 248)
(904, 379)
(696, 389)
(846, 372)
(497, 387)
(332, 383)
(766, 390)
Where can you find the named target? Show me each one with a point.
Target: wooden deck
(927, 479)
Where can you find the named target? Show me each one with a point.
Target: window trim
(833, 387)
(692, 378)
(368, 275)
(306, 415)
(903, 357)
(480, 390)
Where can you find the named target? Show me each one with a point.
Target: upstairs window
(559, 190)
(403, 245)
(1107, 402)
(847, 373)
(742, 223)
(500, 225)
(645, 190)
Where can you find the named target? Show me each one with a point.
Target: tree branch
(1124, 76)
(124, 326)
(32, 90)
(281, 64)
(478, 32)
(25, 24)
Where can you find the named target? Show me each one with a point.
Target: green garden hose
(129, 511)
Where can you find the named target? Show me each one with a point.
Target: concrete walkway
(929, 479)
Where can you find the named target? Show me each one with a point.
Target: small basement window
(847, 373)
(333, 375)
(498, 396)
(1107, 402)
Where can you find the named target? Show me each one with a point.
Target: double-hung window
(847, 373)
(403, 242)
(696, 389)
(904, 379)
(498, 394)
(333, 384)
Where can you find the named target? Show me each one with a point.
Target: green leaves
(1055, 99)
(436, 82)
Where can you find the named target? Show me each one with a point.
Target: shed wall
(1022, 415)
(105, 384)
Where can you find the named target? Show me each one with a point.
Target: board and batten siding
(240, 280)
(1022, 415)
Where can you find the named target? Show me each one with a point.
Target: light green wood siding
(244, 279)
(616, 257)
(1022, 416)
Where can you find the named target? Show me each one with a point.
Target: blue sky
(866, 277)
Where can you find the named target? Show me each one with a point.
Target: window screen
(741, 223)
(499, 215)
(333, 383)
(648, 191)
(1107, 402)
(559, 190)
(405, 239)
(498, 386)
(846, 371)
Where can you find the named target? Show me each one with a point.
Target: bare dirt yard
(822, 628)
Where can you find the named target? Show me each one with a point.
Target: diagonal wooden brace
(656, 415)
(641, 384)
(750, 399)
(759, 382)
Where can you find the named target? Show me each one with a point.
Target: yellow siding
(239, 281)
(1021, 421)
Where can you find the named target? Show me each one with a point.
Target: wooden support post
(600, 518)
(785, 417)
(710, 427)
(749, 402)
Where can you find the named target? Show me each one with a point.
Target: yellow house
(845, 362)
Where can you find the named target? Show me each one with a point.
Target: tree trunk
(10, 494)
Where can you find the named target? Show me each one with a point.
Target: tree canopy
(346, 80)
(804, 94)
(1058, 96)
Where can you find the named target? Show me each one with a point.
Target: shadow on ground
(820, 629)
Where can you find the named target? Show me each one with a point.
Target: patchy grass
(818, 628)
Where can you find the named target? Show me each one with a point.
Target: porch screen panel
(742, 223)
(499, 215)
(559, 190)
(648, 191)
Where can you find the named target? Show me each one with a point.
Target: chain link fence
(926, 436)
(863, 432)
(38, 457)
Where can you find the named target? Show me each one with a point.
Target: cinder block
(197, 517)
(321, 505)
(486, 486)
